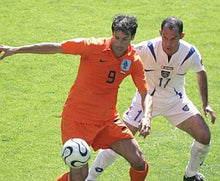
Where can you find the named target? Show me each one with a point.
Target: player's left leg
(198, 129)
(106, 157)
(119, 138)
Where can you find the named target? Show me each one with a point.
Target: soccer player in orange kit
(90, 109)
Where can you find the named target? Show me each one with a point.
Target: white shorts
(175, 112)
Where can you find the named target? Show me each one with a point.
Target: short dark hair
(125, 23)
(173, 23)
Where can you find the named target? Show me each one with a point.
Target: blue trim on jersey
(152, 93)
(169, 58)
(148, 70)
(151, 47)
(181, 74)
(178, 93)
(191, 51)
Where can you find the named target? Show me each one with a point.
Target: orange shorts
(96, 135)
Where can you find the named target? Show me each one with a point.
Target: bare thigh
(130, 150)
(132, 128)
(197, 128)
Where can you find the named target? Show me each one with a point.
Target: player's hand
(208, 110)
(144, 127)
(6, 51)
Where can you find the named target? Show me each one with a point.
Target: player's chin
(119, 53)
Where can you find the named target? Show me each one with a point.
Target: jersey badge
(165, 71)
(98, 169)
(125, 65)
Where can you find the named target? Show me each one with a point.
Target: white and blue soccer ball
(76, 153)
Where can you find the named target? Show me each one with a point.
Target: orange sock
(138, 175)
(64, 177)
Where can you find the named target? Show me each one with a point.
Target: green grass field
(33, 88)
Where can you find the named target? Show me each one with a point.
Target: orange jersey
(93, 95)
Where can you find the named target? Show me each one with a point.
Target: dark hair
(125, 23)
(173, 23)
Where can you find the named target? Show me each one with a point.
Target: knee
(139, 164)
(205, 137)
(202, 132)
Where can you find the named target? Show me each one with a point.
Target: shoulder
(96, 41)
(188, 47)
(187, 44)
(148, 44)
(87, 41)
(84, 45)
(132, 54)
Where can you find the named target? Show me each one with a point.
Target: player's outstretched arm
(41, 48)
(203, 89)
(144, 126)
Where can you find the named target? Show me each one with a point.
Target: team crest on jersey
(165, 74)
(165, 71)
(125, 65)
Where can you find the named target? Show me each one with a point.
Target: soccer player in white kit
(167, 60)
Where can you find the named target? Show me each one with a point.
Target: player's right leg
(106, 157)
(118, 137)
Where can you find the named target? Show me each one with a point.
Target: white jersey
(166, 81)
(166, 75)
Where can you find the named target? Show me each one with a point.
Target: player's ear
(182, 35)
(160, 32)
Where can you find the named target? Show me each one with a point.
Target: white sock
(104, 158)
(198, 155)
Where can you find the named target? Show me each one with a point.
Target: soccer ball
(76, 153)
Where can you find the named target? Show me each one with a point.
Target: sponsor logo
(166, 68)
(98, 169)
(185, 108)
